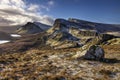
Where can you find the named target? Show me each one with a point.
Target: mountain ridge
(32, 28)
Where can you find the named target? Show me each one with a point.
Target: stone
(94, 53)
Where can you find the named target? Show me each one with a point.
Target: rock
(60, 40)
(113, 41)
(94, 53)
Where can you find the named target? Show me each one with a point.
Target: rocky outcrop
(67, 30)
(100, 27)
(114, 41)
(60, 40)
(102, 38)
(83, 33)
(94, 53)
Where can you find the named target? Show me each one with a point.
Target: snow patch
(15, 35)
(4, 41)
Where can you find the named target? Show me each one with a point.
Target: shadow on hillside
(110, 60)
(104, 60)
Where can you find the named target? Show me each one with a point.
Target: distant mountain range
(86, 25)
(74, 32)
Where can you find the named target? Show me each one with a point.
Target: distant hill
(42, 26)
(31, 28)
(9, 29)
(99, 27)
(5, 36)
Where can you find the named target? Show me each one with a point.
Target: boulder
(94, 53)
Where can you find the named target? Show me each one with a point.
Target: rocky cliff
(77, 31)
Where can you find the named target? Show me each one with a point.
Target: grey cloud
(5, 22)
(21, 15)
(11, 11)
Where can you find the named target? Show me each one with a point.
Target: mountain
(31, 28)
(63, 52)
(85, 25)
(42, 26)
(81, 32)
(71, 33)
(100, 27)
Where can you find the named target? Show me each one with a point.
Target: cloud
(33, 7)
(17, 12)
(51, 3)
(5, 22)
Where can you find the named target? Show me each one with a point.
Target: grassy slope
(48, 64)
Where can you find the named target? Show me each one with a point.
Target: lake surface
(4, 41)
(12, 35)
(15, 35)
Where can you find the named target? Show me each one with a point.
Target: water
(15, 35)
(4, 41)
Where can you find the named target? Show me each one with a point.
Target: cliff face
(82, 33)
(77, 31)
(100, 27)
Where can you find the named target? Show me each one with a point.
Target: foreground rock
(94, 53)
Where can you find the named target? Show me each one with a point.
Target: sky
(16, 12)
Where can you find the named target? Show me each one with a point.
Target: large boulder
(94, 53)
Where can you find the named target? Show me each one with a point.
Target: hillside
(58, 52)
(32, 28)
(9, 29)
(5, 36)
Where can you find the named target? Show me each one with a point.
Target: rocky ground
(41, 64)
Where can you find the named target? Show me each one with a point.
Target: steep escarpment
(62, 40)
(100, 27)
(83, 31)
